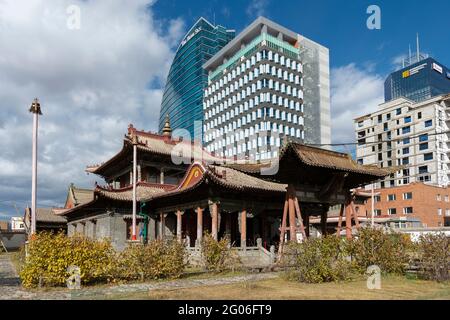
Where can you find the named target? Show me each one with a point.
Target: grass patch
(392, 288)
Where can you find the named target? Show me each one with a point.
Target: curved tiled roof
(317, 157)
(235, 179)
(46, 215)
(159, 145)
(143, 191)
(226, 177)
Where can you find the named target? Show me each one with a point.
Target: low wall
(13, 240)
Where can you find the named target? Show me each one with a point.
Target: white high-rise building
(255, 98)
(411, 137)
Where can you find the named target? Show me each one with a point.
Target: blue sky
(338, 24)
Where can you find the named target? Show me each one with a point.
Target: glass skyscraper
(420, 81)
(183, 93)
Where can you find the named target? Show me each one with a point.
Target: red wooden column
(214, 220)
(243, 228)
(341, 212)
(179, 224)
(348, 221)
(323, 223)
(292, 222)
(162, 226)
(199, 226)
(264, 227)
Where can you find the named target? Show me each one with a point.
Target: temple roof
(315, 157)
(45, 215)
(79, 195)
(199, 174)
(159, 145)
(143, 191)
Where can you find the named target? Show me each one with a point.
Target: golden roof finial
(167, 130)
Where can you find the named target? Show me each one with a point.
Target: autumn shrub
(318, 260)
(388, 250)
(49, 257)
(217, 256)
(155, 260)
(434, 257)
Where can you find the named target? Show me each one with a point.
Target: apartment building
(412, 138)
(255, 99)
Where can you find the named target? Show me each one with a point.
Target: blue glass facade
(183, 93)
(418, 82)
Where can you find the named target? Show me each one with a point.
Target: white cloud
(257, 8)
(91, 82)
(354, 92)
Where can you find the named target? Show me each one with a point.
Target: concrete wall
(113, 227)
(12, 240)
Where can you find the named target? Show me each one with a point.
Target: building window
(406, 130)
(392, 211)
(407, 196)
(419, 115)
(398, 111)
(428, 123)
(377, 212)
(408, 210)
(423, 137)
(405, 161)
(423, 146)
(377, 198)
(405, 150)
(391, 197)
(407, 119)
(439, 212)
(406, 141)
(438, 197)
(423, 169)
(427, 156)
(446, 198)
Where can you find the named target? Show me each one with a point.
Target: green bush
(318, 260)
(217, 256)
(434, 257)
(50, 255)
(389, 251)
(156, 260)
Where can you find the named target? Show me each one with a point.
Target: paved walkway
(10, 286)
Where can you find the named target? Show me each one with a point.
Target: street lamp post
(35, 109)
(135, 142)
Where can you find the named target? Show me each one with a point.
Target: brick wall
(425, 203)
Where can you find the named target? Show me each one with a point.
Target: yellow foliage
(50, 255)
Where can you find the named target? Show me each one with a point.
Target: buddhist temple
(182, 191)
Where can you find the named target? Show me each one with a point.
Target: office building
(407, 136)
(255, 98)
(418, 81)
(183, 94)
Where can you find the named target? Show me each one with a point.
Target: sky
(97, 74)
